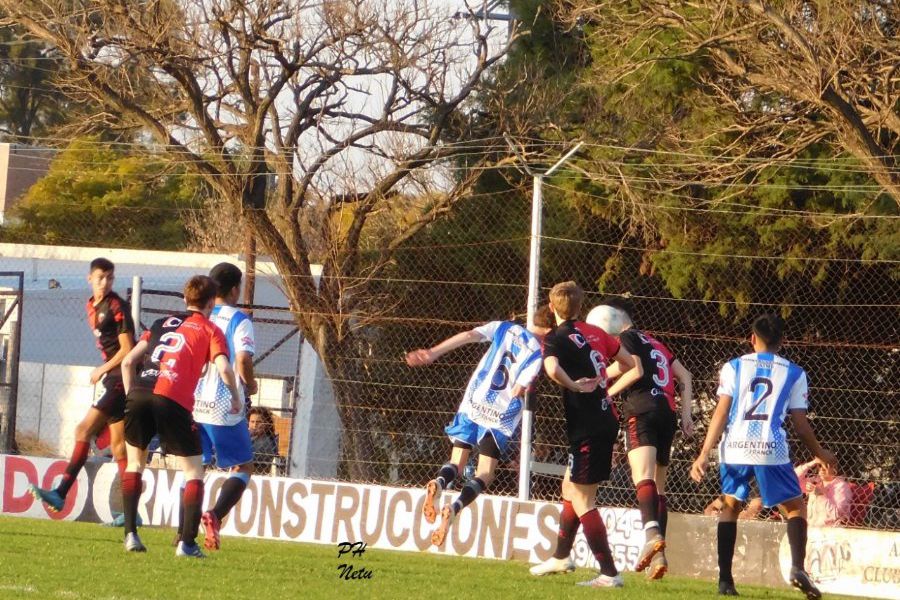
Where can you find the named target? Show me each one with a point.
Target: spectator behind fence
(830, 496)
(263, 438)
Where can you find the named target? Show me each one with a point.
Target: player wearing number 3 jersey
(756, 392)
(489, 414)
(648, 407)
(175, 350)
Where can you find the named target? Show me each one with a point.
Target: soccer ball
(609, 319)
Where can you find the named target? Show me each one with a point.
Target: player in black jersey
(648, 415)
(109, 317)
(579, 366)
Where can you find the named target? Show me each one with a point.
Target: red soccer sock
(595, 532)
(79, 456)
(122, 463)
(648, 501)
(568, 527)
(192, 507)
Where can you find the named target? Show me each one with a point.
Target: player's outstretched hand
(698, 469)
(420, 357)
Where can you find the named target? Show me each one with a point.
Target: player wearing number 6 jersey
(489, 414)
(648, 415)
(756, 392)
(175, 350)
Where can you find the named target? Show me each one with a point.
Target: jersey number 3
(751, 414)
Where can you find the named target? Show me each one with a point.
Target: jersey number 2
(751, 414)
(170, 342)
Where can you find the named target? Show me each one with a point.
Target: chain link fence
(843, 328)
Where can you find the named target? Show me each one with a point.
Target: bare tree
(791, 74)
(332, 125)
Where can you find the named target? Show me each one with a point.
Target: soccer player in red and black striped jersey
(648, 414)
(576, 358)
(109, 317)
(160, 400)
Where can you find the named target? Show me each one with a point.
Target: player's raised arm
(426, 356)
(631, 368)
(716, 427)
(134, 356)
(686, 383)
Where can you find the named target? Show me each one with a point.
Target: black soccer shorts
(590, 460)
(148, 414)
(112, 402)
(655, 428)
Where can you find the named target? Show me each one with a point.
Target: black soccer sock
(191, 506)
(662, 514)
(727, 537)
(131, 493)
(230, 494)
(568, 527)
(447, 475)
(796, 533)
(77, 460)
(648, 501)
(468, 493)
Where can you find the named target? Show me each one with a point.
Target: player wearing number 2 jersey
(648, 407)
(756, 392)
(489, 414)
(175, 350)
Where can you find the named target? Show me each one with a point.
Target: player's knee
(486, 477)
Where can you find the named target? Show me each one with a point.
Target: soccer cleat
(658, 566)
(552, 566)
(726, 588)
(801, 581)
(604, 581)
(133, 543)
(448, 516)
(189, 550)
(651, 548)
(51, 498)
(211, 525)
(432, 494)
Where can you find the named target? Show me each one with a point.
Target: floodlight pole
(537, 206)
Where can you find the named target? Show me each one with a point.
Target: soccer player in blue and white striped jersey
(756, 393)
(489, 414)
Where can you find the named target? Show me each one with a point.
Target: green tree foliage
(699, 183)
(95, 194)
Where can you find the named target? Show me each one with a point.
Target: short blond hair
(566, 298)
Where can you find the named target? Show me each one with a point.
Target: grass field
(46, 559)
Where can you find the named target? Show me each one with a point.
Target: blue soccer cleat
(51, 498)
(189, 550)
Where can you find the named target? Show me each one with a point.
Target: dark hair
(199, 290)
(227, 277)
(769, 328)
(543, 317)
(265, 415)
(619, 303)
(102, 264)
